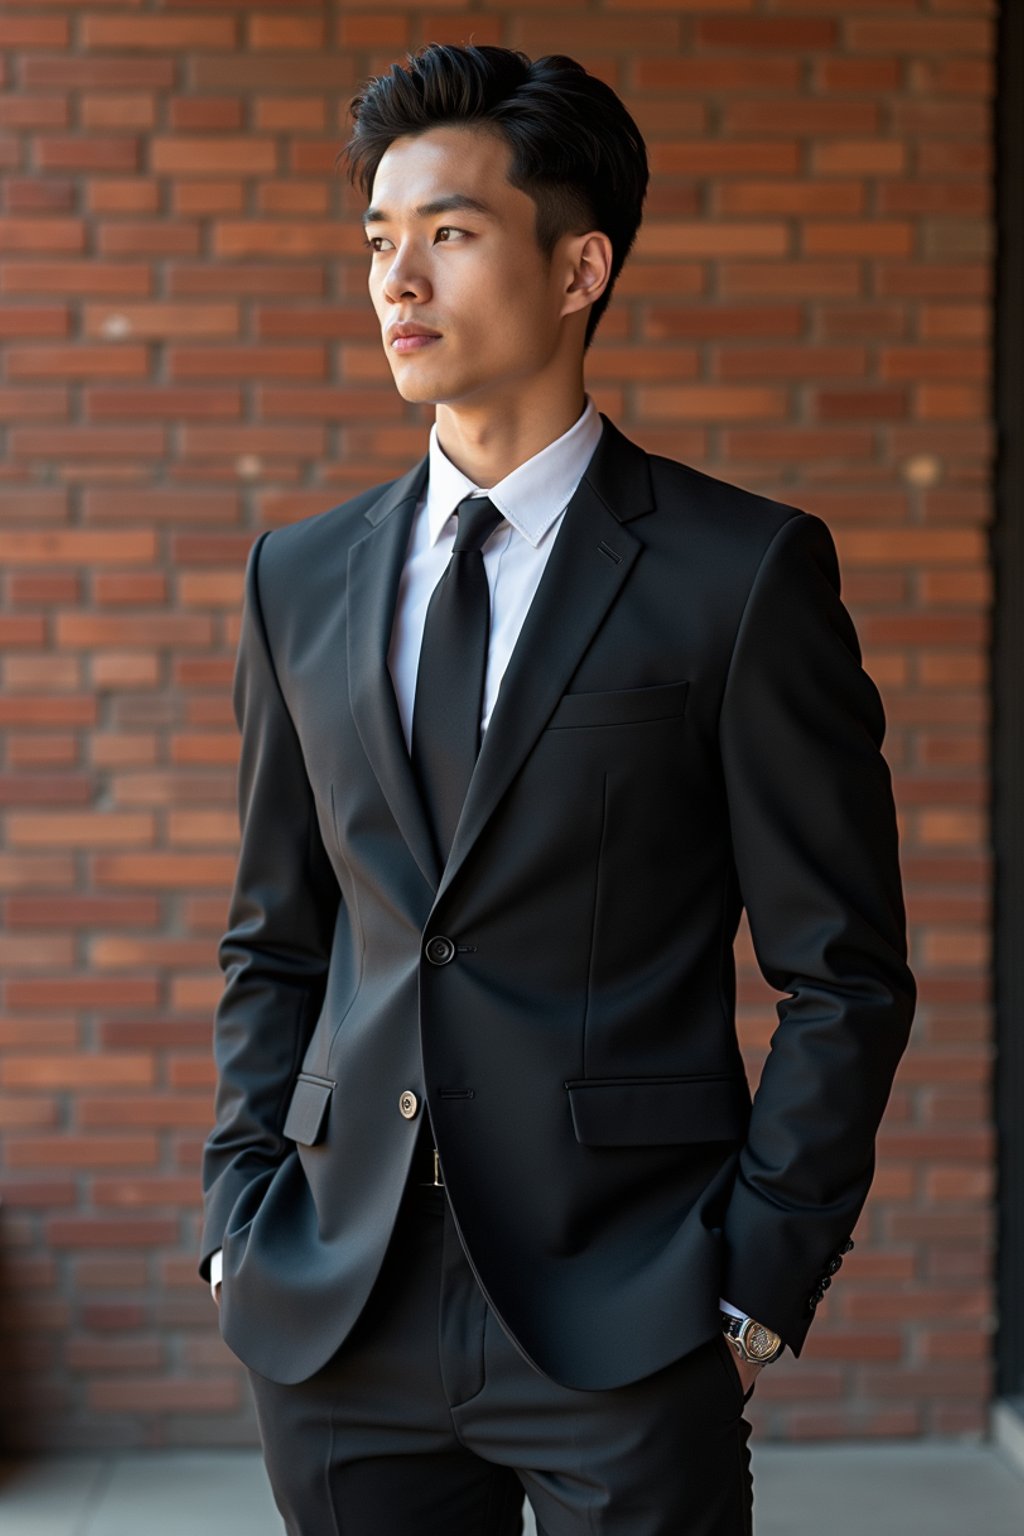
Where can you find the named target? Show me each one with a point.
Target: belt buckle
(436, 1182)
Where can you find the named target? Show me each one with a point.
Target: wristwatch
(752, 1341)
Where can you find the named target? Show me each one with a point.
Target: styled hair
(575, 150)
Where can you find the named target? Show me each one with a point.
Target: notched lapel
(374, 571)
(594, 552)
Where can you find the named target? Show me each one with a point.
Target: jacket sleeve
(276, 949)
(814, 837)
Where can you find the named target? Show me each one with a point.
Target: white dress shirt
(532, 498)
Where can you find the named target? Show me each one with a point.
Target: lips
(412, 343)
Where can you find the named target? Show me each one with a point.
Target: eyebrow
(455, 202)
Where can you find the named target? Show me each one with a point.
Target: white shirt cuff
(216, 1270)
(728, 1307)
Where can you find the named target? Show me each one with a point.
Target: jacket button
(408, 1104)
(440, 950)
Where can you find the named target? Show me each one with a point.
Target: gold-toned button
(408, 1104)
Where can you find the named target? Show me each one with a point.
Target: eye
(370, 243)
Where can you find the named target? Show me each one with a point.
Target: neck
(488, 442)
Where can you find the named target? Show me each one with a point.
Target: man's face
(477, 278)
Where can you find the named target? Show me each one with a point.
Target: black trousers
(428, 1421)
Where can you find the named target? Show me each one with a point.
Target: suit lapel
(374, 570)
(592, 556)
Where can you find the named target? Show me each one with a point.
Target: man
(522, 731)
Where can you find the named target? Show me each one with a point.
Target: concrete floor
(907, 1489)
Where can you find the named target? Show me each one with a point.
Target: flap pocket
(307, 1111)
(658, 1111)
(620, 706)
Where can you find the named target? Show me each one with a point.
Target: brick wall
(189, 355)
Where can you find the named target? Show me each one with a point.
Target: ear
(590, 258)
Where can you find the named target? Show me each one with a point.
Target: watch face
(761, 1342)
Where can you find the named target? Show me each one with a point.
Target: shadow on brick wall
(23, 1357)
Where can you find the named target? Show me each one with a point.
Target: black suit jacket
(684, 727)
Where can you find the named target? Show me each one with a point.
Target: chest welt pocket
(307, 1109)
(658, 1111)
(619, 706)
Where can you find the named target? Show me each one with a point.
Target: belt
(427, 1163)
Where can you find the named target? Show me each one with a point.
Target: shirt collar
(533, 494)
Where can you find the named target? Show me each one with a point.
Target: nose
(401, 278)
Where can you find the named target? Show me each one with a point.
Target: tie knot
(477, 519)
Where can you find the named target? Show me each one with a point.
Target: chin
(413, 395)
(418, 385)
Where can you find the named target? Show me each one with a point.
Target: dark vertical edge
(1008, 695)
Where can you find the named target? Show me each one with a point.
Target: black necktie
(451, 671)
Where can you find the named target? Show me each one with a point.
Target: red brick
(101, 1355)
(50, 71)
(156, 871)
(206, 507)
(294, 442)
(77, 361)
(81, 991)
(802, 116)
(955, 77)
(122, 194)
(246, 278)
(850, 74)
(711, 157)
(932, 279)
(158, 32)
(162, 402)
(765, 32)
(115, 1316)
(715, 73)
(33, 112)
(715, 403)
(88, 442)
(203, 113)
(68, 277)
(28, 404)
(56, 153)
(319, 72)
(33, 32)
(204, 197)
(246, 362)
(148, 1395)
(917, 35)
(113, 1231)
(799, 360)
(40, 234)
(16, 1110)
(329, 403)
(790, 278)
(34, 320)
(779, 195)
(300, 114)
(24, 1151)
(286, 32)
(148, 1191)
(102, 1273)
(198, 155)
(86, 1070)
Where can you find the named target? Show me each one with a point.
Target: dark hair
(575, 149)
